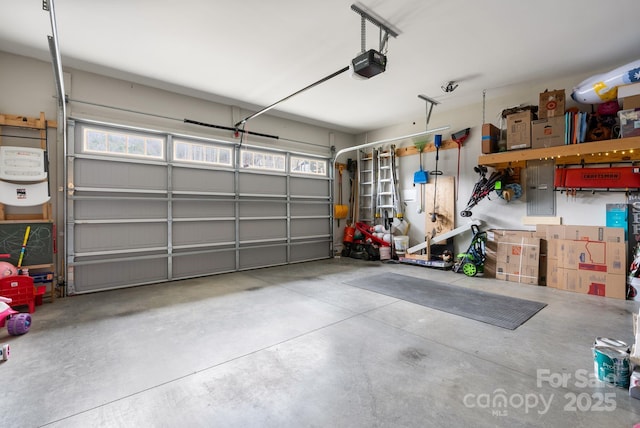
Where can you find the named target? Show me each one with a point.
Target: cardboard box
(511, 234)
(541, 231)
(518, 258)
(631, 102)
(629, 123)
(553, 248)
(585, 233)
(490, 250)
(629, 90)
(551, 104)
(552, 273)
(516, 273)
(547, 132)
(522, 252)
(592, 282)
(490, 138)
(594, 256)
(519, 130)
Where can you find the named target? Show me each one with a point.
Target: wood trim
(430, 147)
(27, 122)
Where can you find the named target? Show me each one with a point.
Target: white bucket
(401, 243)
(385, 253)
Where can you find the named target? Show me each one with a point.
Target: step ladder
(385, 194)
(367, 176)
(386, 198)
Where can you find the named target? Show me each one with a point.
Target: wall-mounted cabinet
(609, 151)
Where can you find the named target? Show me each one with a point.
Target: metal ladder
(386, 194)
(367, 175)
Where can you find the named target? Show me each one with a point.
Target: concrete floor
(294, 346)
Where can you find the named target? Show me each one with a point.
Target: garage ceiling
(252, 53)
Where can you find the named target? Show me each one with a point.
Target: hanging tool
(398, 198)
(459, 137)
(420, 176)
(340, 211)
(352, 168)
(437, 142)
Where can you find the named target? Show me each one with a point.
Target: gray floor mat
(502, 311)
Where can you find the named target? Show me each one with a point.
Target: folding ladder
(386, 198)
(367, 162)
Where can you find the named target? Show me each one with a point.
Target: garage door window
(122, 144)
(211, 154)
(262, 160)
(310, 166)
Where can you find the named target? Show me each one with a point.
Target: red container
(20, 289)
(349, 233)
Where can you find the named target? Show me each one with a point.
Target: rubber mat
(501, 311)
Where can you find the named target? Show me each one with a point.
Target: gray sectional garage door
(145, 207)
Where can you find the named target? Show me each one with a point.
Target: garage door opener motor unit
(369, 64)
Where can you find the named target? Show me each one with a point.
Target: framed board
(39, 249)
(444, 205)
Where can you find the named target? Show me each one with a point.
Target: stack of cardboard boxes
(526, 129)
(629, 116)
(586, 259)
(581, 259)
(548, 131)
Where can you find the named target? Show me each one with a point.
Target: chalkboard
(39, 250)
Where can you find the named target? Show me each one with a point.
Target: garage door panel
(309, 187)
(309, 227)
(127, 176)
(119, 237)
(108, 275)
(309, 208)
(309, 251)
(110, 209)
(202, 208)
(262, 184)
(185, 266)
(203, 232)
(263, 208)
(137, 218)
(262, 257)
(252, 230)
(202, 180)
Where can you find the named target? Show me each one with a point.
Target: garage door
(144, 207)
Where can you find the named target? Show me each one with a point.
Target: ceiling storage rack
(608, 151)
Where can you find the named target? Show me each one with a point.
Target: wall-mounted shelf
(429, 147)
(609, 151)
(40, 247)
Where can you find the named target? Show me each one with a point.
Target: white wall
(585, 209)
(27, 88)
